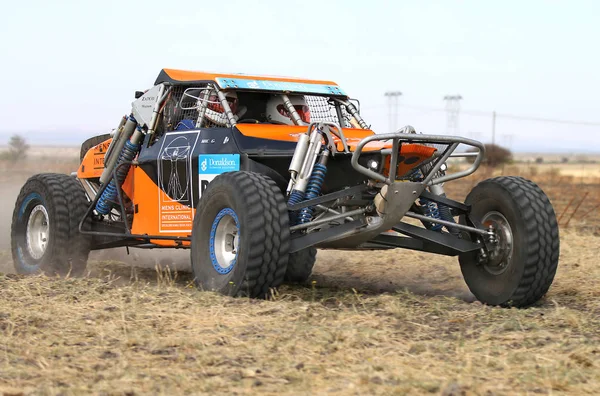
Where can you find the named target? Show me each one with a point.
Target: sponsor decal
(175, 198)
(253, 84)
(284, 86)
(212, 165)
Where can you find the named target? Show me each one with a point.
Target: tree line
(17, 149)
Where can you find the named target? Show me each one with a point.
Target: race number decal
(211, 165)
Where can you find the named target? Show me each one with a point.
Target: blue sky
(70, 67)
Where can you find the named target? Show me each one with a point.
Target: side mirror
(138, 94)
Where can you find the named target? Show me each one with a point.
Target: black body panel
(174, 161)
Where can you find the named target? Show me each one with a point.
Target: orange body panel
(184, 75)
(155, 214)
(411, 156)
(92, 166)
(93, 161)
(291, 133)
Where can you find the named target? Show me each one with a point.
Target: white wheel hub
(38, 232)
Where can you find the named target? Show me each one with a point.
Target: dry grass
(124, 330)
(576, 200)
(394, 322)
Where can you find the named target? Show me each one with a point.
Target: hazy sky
(70, 68)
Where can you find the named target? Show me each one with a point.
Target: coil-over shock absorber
(313, 189)
(295, 197)
(130, 149)
(444, 212)
(307, 174)
(430, 209)
(433, 209)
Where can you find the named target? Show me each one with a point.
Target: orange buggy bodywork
(147, 196)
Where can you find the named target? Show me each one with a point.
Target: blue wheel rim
(224, 241)
(25, 266)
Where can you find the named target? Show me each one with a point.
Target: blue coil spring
(446, 214)
(431, 209)
(109, 196)
(295, 198)
(312, 191)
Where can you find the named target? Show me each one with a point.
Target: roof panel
(184, 76)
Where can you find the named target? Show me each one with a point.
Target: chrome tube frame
(292, 110)
(202, 103)
(162, 95)
(326, 220)
(230, 116)
(430, 178)
(351, 109)
(202, 107)
(334, 128)
(447, 223)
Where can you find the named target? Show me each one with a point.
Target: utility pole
(393, 108)
(493, 128)
(452, 113)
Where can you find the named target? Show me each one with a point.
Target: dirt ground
(388, 322)
(393, 322)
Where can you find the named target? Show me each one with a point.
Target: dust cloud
(9, 194)
(176, 259)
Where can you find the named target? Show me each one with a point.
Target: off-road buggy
(253, 174)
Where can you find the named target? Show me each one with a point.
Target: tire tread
(541, 230)
(67, 206)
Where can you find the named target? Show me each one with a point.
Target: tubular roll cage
(351, 109)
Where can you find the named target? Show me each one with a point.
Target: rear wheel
(45, 233)
(240, 237)
(91, 142)
(521, 265)
(300, 265)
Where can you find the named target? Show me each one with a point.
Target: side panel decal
(175, 205)
(211, 165)
(283, 86)
(93, 161)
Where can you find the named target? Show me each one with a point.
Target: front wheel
(520, 267)
(240, 237)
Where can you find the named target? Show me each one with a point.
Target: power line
(393, 108)
(498, 115)
(552, 120)
(452, 114)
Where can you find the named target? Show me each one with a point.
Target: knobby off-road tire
(528, 268)
(240, 236)
(300, 265)
(45, 233)
(91, 142)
